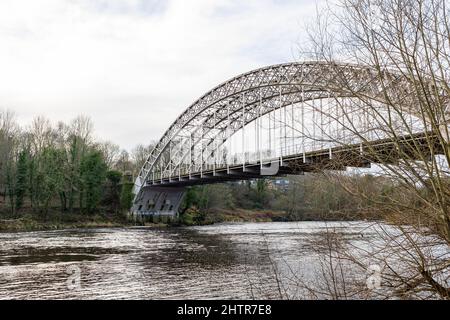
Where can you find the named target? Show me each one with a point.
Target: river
(222, 261)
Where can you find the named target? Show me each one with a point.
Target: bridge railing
(210, 158)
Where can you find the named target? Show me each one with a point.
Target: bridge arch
(224, 110)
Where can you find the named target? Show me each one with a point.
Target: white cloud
(134, 65)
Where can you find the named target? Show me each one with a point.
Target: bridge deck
(337, 158)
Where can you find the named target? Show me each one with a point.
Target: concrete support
(156, 200)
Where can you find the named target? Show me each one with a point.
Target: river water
(222, 261)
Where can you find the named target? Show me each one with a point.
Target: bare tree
(82, 127)
(9, 132)
(404, 103)
(110, 151)
(139, 155)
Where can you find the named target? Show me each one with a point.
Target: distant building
(279, 183)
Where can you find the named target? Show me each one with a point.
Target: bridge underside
(164, 196)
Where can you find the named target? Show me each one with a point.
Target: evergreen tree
(112, 190)
(126, 195)
(21, 179)
(93, 175)
(52, 176)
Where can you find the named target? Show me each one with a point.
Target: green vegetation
(307, 197)
(126, 193)
(57, 176)
(54, 221)
(54, 176)
(92, 174)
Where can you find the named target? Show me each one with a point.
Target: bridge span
(283, 119)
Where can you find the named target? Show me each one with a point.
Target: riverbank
(31, 222)
(57, 222)
(195, 217)
(192, 217)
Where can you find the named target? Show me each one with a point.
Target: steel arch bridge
(271, 121)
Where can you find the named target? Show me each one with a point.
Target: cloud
(134, 65)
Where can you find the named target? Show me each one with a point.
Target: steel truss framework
(190, 144)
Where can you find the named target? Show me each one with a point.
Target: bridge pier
(158, 200)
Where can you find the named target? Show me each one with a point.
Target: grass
(196, 217)
(53, 221)
(245, 215)
(56, 220)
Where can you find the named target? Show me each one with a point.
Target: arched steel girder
(225, 130)
(316, 76)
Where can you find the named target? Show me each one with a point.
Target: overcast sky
(134, 65)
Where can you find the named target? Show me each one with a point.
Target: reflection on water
(226, 261)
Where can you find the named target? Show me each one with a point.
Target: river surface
(223, 261)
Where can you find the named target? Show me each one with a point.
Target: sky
(133, 65)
